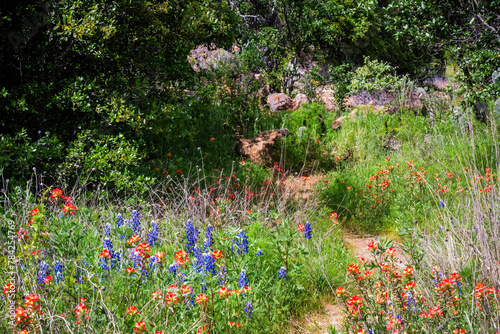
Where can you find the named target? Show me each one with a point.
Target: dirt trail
(331, 314)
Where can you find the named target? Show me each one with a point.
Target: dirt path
(331, 315)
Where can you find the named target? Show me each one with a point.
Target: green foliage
(373, 76)
(307, 127)
(20, 156)
(104, 160)
(341, 76)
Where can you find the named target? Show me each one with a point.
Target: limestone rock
(259, 148)
(279, 101)
(299, 100)
(202, 58)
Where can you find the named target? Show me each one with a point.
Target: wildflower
(153, 234)
(192, 236)
(243, 280)
(209, 239)
(201, 299)
(333, 215)
(282, 273)
(119, 221)
(353, 269)
(231, 323)
(105, 254)
(390, 251)
(355, 300)
(43, 270)
(217, 254)
(160, 255)
(135, 223)
(132, 310)
(301, 228)
(307, 231)
(459, 331)
(248, 309)
(224, 292)
(372, 246)
(56, 193)
(181, 257)
(441, 204)
(340, 290)
(135, 238)
(408, 271)
(157, 295)
(172, 298)
(241, 241)
(9, 288)
(48, 280)
(140, 326)
(203, 330)
(222, 275)
(130, 270)
(69, 209)
(259, 252)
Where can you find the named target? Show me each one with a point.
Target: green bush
(373, 76)
(105, 159)
(20, 156)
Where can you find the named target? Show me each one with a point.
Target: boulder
(202, 58)
(259, 148)
(299, 100)
(279, 101)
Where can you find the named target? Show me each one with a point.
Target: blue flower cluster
(119, 221)
(135, 223)
(192, 236)
(243, 280)
(307, 231)
(209, 240)
(241, 241)
(282, 273)
(153, 238)
(43, 270)
(248, 309)
(58, 272)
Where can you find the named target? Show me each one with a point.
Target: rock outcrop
(279, 101)
(259, 148)
(202, 58)
(299, 100)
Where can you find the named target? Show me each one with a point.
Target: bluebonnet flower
(441, 204)
(243, 280)
(107, 229)
(248, 309)
(259, 252)
(307, 231)
(104, 263)
(222, 276)
(173, 268)
(153, 260)
(182, 278)
(198, 259)
(43, 270)
(153, 234)
(134, 257)
(208, 263)
(136, 224)
(119, 221)
(241, 240)
(192, 236)
(209, 239)
(282, 273)
(399, 318)
(58, 269)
